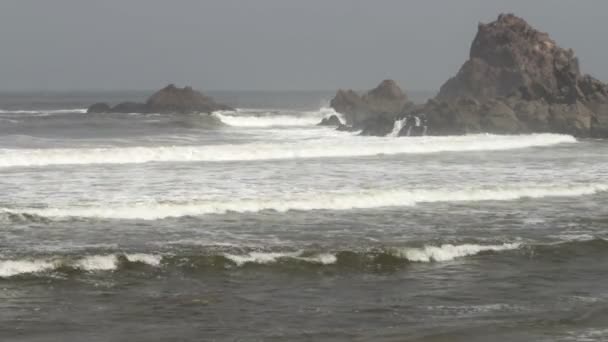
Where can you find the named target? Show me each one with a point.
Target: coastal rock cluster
(373, 112)
(170, 99)
(516, 80)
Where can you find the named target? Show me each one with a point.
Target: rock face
(518, 80)
(378, 107)
(170, 99)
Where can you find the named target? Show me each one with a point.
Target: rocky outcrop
(99, 107)
(518, 80)
(182, 100)
(375, 107)
(170, 99)
(332, 120)
(130, 107)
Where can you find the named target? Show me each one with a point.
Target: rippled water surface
(258, 225)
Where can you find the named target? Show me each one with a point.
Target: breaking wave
(43, 112)
(251, 118)
(359, 260)
(349, 259)
(110, 262)
(346, 146)
(368, 199)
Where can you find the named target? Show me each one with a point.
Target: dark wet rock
(172, 99)
(361, 110)
(380, 125)
(196, 121)
(130, 107)
(345, 128)
(332, 120)
(99, 107)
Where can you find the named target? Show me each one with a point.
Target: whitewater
(315, 201)
(173, 223)
(347, 146)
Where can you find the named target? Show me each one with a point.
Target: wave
(450, 252)
(344, 146)
(250, 118)
(368, 199)
(44, 111)
(348, 259)
(110, 262)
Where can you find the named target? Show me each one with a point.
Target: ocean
(259, 225)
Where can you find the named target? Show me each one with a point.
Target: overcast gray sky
(267, 44)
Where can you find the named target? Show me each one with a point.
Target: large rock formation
(519, 80)
(170, 99)
(375, 111)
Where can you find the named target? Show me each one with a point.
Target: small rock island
(170, 99)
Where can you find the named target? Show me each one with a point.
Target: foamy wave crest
(9, 268)
(93, 263)
(249, 118)
(347, 146)
(269, 258)
(314, 201)
(44, 112)
(450, 252)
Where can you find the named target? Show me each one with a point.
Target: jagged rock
(524, 82)
(332, 120)
(99, 107)
(360, 110)
(172, 99)
(508, 57)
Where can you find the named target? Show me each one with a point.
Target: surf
(346, 145)
(368, 199)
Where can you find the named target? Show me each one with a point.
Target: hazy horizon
(269, 45)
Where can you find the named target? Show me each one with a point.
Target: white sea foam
(257, 118)
(41, 112)
(258, 257)
(272, 257)
(450, 252)
(348, 146)
(98, 263)
(92, 263)
(150, 259)
(9, 268)
(313, 201)
(397, 127)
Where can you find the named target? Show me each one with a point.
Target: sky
(59, 45)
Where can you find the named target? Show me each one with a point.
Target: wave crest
(351, 146)
(315, 201)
